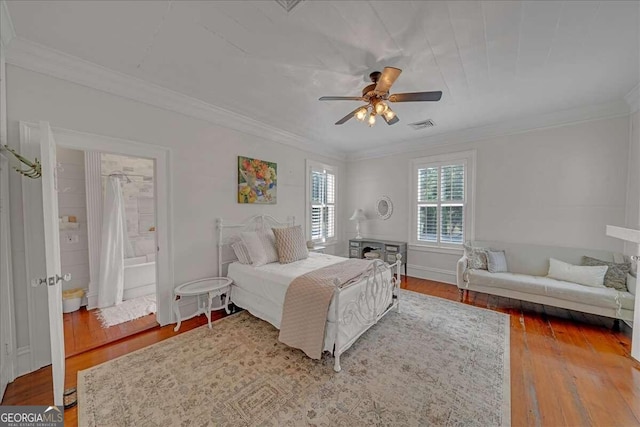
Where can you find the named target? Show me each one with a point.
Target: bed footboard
(378, 294)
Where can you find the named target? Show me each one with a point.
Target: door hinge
(6, 349)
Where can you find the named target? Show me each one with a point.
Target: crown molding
(35, 57)
(633, 98)
(7, 32)
(543, 121)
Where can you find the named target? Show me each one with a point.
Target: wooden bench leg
(616, 325)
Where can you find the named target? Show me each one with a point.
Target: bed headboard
(229, 233)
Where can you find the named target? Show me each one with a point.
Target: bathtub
(139, 276)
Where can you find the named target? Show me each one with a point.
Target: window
(321, 202)
(442, 205)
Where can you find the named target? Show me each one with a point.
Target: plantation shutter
(441, 203)
(323, 205)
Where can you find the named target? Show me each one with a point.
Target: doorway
(40, 349)
(106, 213)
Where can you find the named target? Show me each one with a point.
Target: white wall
(557, 186)
(632, 219)
(74, 246)
(203, 167)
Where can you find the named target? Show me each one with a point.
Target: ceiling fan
(376, 96)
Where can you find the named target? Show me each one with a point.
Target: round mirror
(384, 207)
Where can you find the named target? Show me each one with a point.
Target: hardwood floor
(83, 331)
(567, 368)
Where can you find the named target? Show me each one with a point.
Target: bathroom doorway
(108, 245)
(39, 354)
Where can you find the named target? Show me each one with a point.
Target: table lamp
(358, 215)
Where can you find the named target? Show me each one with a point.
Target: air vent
(422, 125)
(288, 5)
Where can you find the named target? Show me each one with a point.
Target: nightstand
(318, 249)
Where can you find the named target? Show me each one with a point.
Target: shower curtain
(115, 245)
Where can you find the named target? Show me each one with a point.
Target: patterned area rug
(436, 363)
(126, 311)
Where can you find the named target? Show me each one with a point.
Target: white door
(6, 296)
(52, 257)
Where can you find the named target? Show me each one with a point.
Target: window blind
(323, 205)
(441, 203)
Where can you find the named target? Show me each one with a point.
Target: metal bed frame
(379, 293)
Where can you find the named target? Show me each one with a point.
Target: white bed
(261, 290)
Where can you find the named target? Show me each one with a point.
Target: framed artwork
(257, 181)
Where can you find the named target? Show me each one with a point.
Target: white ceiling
(493, 60)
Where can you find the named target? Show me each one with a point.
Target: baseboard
(430, 273)
(23, 357)
(92, 300)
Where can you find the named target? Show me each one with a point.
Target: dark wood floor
(567, 368)
(83, 331)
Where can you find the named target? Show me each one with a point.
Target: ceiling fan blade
(393, 121)
(342, 98)
(348, 116)
(416, 96)
(388, 77)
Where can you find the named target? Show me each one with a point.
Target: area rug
(130, 309)
(437, 362)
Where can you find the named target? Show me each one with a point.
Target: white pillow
(241, 252)
(583, 275)
(254, 247)
(261, 246)
(631, 284)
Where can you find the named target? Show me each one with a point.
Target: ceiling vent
(422, 125)
(288, 5)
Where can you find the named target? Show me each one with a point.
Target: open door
(52, 257)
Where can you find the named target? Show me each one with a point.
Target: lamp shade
(358, 215)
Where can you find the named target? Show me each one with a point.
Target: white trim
(633, 99)
(162, 156)
(309, 166)
(7, 31)
(430, 273)
(93, 191)
(35, 57)
(435, 249)
(510, 127)
(469, 157)
(23, 360)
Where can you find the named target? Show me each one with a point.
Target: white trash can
(71, 300)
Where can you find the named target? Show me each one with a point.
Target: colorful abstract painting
(257, 181)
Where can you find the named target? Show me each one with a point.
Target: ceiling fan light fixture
(381, 107)
(389, 114)
(372, 119)
(361, 114)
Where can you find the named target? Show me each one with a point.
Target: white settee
(528, 265)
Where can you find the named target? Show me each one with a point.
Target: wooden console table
(386, 248)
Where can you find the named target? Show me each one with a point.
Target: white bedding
(261, 290)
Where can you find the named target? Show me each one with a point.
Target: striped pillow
(291, 244)
(241, 252)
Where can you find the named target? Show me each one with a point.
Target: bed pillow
(496, 261)
(254, 247)
(616, 276)
(291, 244)
(631, 284)
(241, 252)
(477, 257)
(582, 275)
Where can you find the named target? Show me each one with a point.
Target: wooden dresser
(386, 248)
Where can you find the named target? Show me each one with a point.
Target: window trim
(469, 158)
(314, 165)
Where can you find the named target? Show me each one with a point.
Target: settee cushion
(616, 276)
(544, 286)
